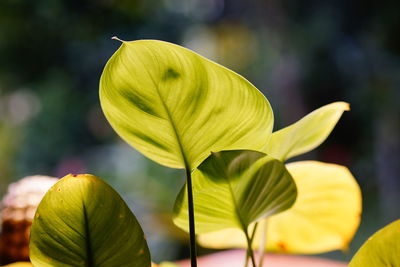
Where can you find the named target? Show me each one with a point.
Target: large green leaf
(176, 106)
(381, 249)
(234, 189)
(307, 133)
(82, 221)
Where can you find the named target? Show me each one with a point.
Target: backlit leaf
(381, 249)
(325, 216)
(82, 221)
(234, 189)
(176, 106)
(307, 133)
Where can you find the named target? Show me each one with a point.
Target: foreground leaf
(307, 133)
(381, 249)
(325, 216)
(82, 221)
(176, 106)
(234, 189)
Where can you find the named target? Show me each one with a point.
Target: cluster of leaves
(184, 111)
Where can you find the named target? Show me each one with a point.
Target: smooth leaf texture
(307, 133)
(325, 216)
(234, 189)
(176, 106)
(381, 249)
(82, 221)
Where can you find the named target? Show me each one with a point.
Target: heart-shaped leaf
(234, 189)
(307, 133)
(381, 249)
(176, 106)
(325, 216)
(82, 221)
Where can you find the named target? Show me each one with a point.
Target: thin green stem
(192, 229)
(249, 249)
(251, 241)
(254, 232)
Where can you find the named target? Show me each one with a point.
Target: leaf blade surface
(175, 106)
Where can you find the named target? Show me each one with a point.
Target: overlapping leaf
(381, 249)
(175, 106)
(307, 133)
(325, 216)
(234, 189)
(82, 221)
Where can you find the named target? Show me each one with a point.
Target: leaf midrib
(170, 120)
(89, 254)
(238, 215)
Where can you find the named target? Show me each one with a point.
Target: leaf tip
(116, 38)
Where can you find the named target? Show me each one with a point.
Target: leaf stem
(192, 230)
(251, 241)
(249, 249)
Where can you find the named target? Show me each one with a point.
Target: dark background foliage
(301, 54)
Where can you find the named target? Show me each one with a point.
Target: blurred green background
(301, 54)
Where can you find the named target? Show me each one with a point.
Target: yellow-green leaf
(325, 216)
(234, 189)
(176, 106)
(82, 221)
(381, 249)
(307, 133)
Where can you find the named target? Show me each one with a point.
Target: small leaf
(234, 189)
(325, 216)
(82, 221)
(307, 133)
(176, 106)
(381, 249)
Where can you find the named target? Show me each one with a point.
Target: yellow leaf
(325, 216)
